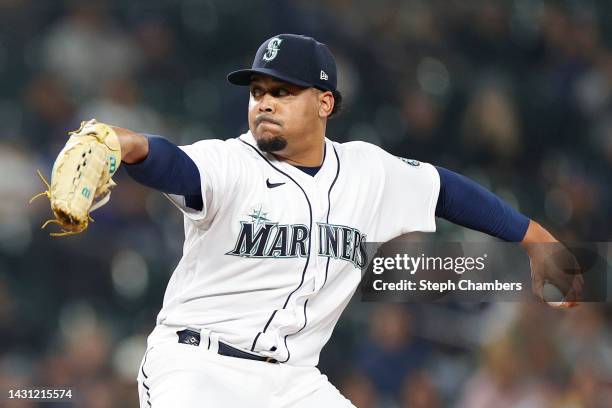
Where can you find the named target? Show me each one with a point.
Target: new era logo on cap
(292, 58)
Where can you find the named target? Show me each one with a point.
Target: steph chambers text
(449, 285)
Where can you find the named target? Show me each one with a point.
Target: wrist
(536, 234)
(134, 146)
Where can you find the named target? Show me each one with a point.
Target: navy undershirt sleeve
(464, 202)
(169, 169)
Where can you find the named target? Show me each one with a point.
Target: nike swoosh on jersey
(273, 185)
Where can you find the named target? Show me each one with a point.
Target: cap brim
(243, 77)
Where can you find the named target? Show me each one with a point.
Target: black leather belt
(192, 338)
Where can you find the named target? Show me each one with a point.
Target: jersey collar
(325, 175)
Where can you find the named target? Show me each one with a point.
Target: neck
(310, 156)
(308, 151)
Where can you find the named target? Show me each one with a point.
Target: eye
(282, 92)
(256, 92)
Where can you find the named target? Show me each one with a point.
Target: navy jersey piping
(264, 330)
(329, 208)
(146, 377)
(328, 259)
(309, 241)
(302, 328)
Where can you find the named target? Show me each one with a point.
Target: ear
(326, 104)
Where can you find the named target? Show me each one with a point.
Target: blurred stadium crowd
(515, 94)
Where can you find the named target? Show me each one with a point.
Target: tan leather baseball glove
(81, 176)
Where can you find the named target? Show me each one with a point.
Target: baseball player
(275, 224)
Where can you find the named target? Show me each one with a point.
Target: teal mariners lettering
(263, 239)
(342, 242)
(271, 240)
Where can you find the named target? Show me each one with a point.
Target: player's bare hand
(552, 263)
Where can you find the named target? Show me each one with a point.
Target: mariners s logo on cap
(272, 49)
(303, 61)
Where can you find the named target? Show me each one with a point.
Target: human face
(283, 117)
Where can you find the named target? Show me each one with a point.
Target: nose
(267, 103)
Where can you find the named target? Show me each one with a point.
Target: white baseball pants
(180, 375)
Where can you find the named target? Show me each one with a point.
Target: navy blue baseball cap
(292, 58)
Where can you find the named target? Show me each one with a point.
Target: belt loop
(209, 340)
(205, 338)
(213, 341)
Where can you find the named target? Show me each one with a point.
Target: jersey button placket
(319, 213)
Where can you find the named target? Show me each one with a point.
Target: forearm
(464, 202)
(157, 163)
(134, 146)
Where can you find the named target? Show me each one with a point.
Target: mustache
(266, 118)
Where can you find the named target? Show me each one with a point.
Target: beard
(271, 144)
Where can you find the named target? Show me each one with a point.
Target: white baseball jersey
(275, 254)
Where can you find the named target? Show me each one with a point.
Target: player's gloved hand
(553, 264)
(81, 176)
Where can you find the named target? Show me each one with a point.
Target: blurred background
(515, 94)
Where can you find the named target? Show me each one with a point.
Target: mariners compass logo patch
(272, 49)
(411, 162)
